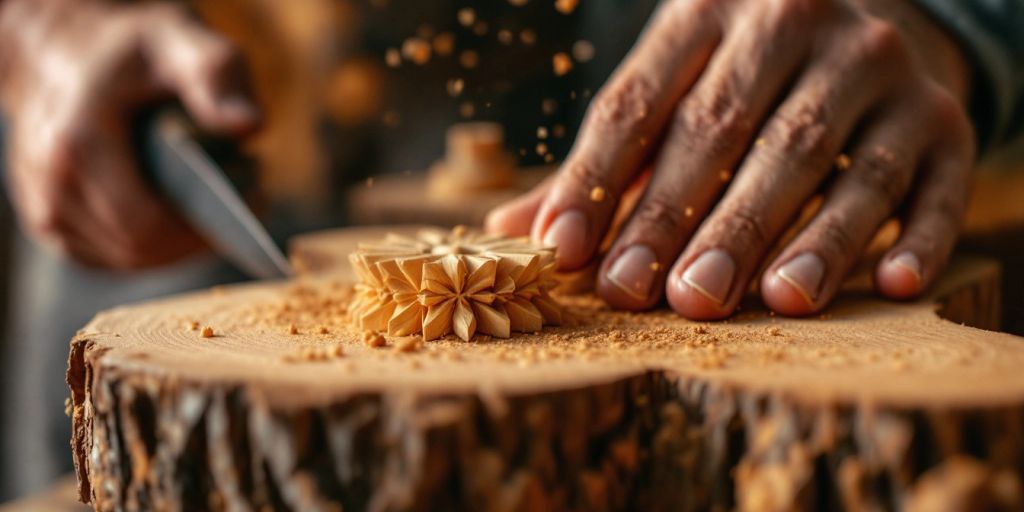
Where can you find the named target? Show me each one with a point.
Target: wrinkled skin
(74, 74)
(741, 109)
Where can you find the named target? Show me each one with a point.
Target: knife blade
(188, 176)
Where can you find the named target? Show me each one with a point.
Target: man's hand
(76, 72)
(744, 110)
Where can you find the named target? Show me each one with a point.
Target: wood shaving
(455, 87)
(409, 344)
(444, 44)
(466, 17)
(566, 6)
(393, 57)
(417, 51)
(561, 63)
(843, 162)
(374, 339)
(469, 59)
(583, 51)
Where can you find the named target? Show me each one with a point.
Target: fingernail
(634, 271)
(804, 273)
(568, 233)
(238, 109)
(909, 261)
(711, 274)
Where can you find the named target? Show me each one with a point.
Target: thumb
(205, 70)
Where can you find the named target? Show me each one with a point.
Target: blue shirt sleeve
(992, 32)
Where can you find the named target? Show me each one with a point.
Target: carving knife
(185, 172)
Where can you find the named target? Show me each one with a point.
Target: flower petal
(438, 320)
(406, 321)
(482, 272)
(525, 317)
(492, 321)
(464, 321)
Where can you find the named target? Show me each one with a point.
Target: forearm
(991, 32)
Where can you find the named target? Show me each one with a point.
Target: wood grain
(874, 405)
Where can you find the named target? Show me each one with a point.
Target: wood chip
(466, 16)
(416, 50)
(374, 339)
(566, 6)
(583, 51)
(843, 162)
(561, 63)
(409, 344)
(393, 58)
(469, 59)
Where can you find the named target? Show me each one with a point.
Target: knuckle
(46, 220)
(60, 174)
(744, 227)
(659, 213)
(948, 209)
(583, 178)
(885, 173)
(882, 40)
(219, 56)
(835, 237)
(804, 131)
(714, 120)
(624, 106)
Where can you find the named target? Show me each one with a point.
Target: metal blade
(187, 175)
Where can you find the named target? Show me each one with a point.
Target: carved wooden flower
(459, 282)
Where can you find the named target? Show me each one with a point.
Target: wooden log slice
(875, 405)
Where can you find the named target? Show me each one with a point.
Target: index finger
(626, 117)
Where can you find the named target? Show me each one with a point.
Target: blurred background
(358, 96)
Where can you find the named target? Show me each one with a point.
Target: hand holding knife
(184, 171)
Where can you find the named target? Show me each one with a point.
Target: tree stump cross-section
(874, 405)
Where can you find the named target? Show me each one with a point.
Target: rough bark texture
(903, 410)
